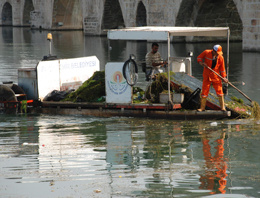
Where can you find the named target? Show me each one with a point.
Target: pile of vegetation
(243, 110)
(139, 96)
(237, 106)
(255, 109)
(159, 85)
(92, 90)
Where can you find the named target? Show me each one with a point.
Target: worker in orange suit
(214, 59)
(216, 167)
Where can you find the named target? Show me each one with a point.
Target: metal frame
(165, 33)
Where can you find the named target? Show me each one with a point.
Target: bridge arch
(28, 8)
(7, 14)
(141, 15)
(67, 14)
(211, 13)
(112, 15)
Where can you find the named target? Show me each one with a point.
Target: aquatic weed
(91, 90)
(255, 110)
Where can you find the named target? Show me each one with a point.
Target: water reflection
(215, 166)
(7, 34)
(126, 157)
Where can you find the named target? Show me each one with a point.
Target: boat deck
(159, 111)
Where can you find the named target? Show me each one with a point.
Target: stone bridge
(96, 16)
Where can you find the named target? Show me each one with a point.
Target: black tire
(8, 95)
(18, 90)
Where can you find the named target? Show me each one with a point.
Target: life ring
(131, 68)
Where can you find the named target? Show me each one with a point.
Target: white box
(177, 98)
(117, 89)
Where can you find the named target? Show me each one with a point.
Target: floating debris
(30, 144)
(213, 124)
(97, 191)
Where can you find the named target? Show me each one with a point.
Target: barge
(70, 74)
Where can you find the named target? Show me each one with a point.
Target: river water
(78, 156)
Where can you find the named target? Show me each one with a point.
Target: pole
(49, 38)
(228, 34)
(169, 85)
(109, 49)
(229, 83)
(50, 47)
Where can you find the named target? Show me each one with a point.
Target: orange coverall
(208, 76)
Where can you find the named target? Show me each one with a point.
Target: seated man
(153, 59)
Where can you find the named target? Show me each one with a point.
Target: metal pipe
(228, 34)
(168, 39)
(50, 47)
(169, 77)
(109, 48)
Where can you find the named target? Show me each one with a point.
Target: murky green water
(77, 156)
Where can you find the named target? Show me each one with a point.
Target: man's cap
(218, 49)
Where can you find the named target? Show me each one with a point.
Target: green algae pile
(243, 110)
(139, 96)
(255, 109)
(237, 106)
(92, 90)
(159, 85)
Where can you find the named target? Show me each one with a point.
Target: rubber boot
(202, 104)
(222, 103)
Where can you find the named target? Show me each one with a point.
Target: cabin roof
(162, 32)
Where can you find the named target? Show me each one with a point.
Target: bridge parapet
(94, 16)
